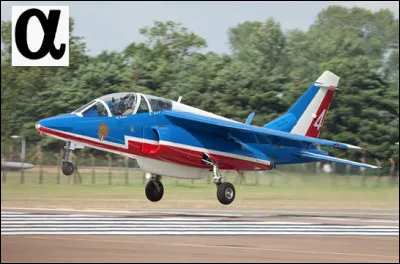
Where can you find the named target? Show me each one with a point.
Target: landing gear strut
(154, 188)
(225, 190)
(67, 166)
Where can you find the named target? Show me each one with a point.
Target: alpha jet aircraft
(173, 139)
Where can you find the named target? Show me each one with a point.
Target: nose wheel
(67, 166)
(154, 189)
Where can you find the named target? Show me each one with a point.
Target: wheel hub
(229, 193)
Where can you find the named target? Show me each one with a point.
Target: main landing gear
(67, 166)
(154, 188)
(225, 190)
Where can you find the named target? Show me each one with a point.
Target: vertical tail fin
(307, 115)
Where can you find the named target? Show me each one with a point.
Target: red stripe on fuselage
(167, 153)
(313, 130)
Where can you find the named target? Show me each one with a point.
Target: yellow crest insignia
(103, 131)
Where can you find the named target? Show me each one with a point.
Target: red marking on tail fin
(316, 124)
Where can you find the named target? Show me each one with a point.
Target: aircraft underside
(157, 168)
(165, 159)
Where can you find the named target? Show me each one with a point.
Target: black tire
(152, 193)
(226, 193)
(68, 168)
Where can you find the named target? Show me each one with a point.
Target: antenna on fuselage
(179, 99)
(249, 118)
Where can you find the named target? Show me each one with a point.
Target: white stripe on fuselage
(154, 142)
(306, 119)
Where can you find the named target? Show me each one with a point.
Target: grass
(273, 191)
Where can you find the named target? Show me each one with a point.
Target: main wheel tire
(68, 168)
(152, 193)
(226, 193)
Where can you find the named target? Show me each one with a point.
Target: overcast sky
(113, 25)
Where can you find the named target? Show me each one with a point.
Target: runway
(23, 223)
(74, 235)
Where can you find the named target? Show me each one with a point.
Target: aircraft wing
(320, 157)
(223, 127)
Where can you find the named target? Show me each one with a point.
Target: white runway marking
(352, 219)
(124, 211)
(14, 223)
(11, 213)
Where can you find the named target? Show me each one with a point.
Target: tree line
(267, 71)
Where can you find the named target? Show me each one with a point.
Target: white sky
(114, 25)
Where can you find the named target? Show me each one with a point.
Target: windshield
(83, 107)
(97, 109)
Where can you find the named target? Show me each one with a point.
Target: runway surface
(21, 223)
(73, 235)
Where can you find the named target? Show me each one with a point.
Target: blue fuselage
(154, 136)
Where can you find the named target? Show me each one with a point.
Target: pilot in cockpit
(129, 105)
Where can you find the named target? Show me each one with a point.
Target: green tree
(239, 35)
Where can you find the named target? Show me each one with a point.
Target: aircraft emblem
(103, 131)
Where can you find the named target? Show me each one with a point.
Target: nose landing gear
(68, 167)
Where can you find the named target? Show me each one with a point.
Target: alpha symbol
(49, 26)
(40, 36)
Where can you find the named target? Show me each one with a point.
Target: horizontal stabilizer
(328, 79)
(320, 157)
(329, 87)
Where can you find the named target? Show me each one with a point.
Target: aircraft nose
(47, 122)
(43, 124)
(62, 122)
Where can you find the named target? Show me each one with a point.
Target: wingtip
(356, 147)
(375, 167)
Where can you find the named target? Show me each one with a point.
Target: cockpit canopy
(121, 104)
